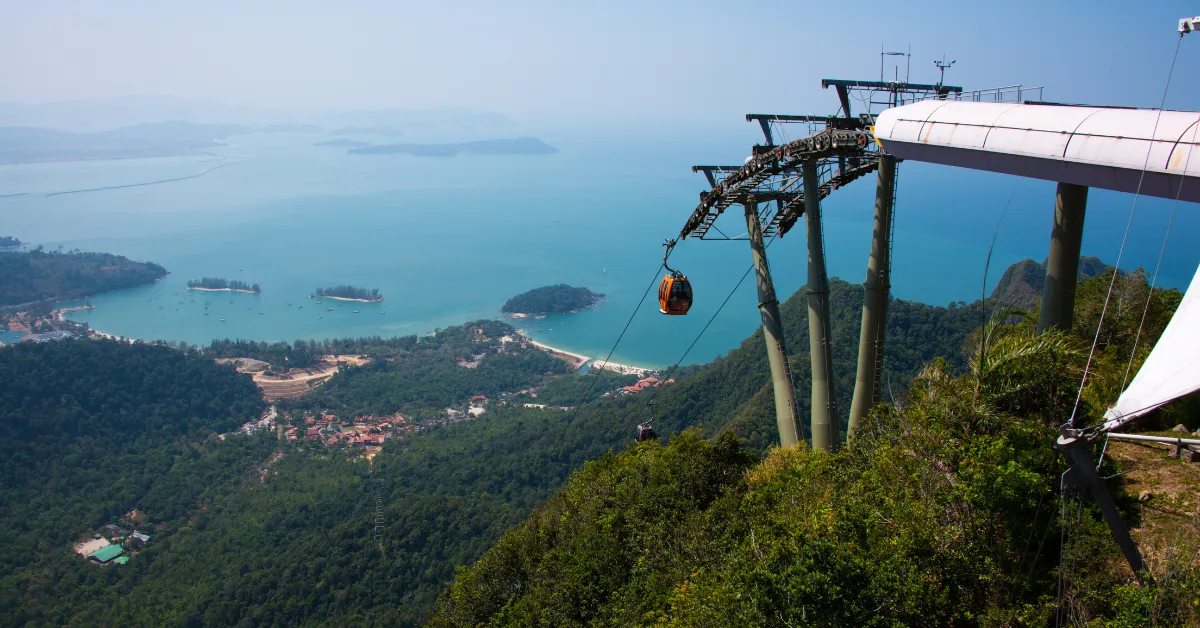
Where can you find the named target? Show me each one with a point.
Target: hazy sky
(612, 61)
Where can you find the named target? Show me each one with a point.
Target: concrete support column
(824, 423)
(768, 306)
(875, 298)
(1062, 267)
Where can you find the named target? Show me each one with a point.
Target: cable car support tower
(783, 181)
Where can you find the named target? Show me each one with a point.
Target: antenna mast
(943, 65)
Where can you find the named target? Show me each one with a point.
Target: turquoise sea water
(449, 240)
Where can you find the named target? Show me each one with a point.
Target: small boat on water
(222, 320)
(320, 317)
(328, 309)
(354, 311)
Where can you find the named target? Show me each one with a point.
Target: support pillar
(824, 424)
(768, 306)
(875, 299)
(1079, 452)
(1062, 266)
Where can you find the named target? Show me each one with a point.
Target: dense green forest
(349, 292)
(292, 543)
(929, 517)
(218, 283)
(427, 377)
(560, 299)
(91, 429)
(8, 242)
(39, 275)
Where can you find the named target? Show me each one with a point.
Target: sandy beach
(347, 299)
(576, 360)
(222, 290)
(624, 369)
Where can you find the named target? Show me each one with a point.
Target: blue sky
(611, 62)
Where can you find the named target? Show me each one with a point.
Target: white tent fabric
(1172, 369)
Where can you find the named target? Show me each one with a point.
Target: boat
(222, 320)
(328, 309)
(354, 311)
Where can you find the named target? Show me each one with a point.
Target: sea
(448, 240)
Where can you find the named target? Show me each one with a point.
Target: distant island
(560, 299)
(518, 146)
(342, 143)
(9, 242)
(289, 128)
(159, 139)
(367, 130)
(350, 293)
(223, 285)
(40, 276)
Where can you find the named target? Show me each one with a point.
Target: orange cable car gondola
(674, 294)
(674, 291)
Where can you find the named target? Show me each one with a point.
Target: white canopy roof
(1172, 369)
(1092, 146)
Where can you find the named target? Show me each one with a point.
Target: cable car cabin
(674, 294)
(645, 433)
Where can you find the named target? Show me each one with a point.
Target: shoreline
(221, 290)
(624, 369)
(577, 360)
(346, 299)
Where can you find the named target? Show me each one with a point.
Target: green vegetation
(935, 515)
(217, 283)
(38, 275)
(9, 242)
(932, 516)
(1021, 284)
(349, 292)
(560, 299)
(426, 377)
(92, 429)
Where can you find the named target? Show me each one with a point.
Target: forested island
(350, 293)
(8, 242)
(560, 299)
(220, 284)
(39, 275)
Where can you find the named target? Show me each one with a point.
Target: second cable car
(674, 294)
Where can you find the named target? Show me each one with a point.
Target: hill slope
(36, 275)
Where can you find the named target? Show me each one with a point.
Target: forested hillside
(90, 430)
(292, 542)
(931, 516)
(38, 275)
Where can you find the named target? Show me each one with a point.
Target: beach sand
(576, 360)
(624, 369)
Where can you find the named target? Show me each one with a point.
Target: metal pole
(1062, 267)
(768, 307)
(875, 297)
(1079, 450)
(824, 427)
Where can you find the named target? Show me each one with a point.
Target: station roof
(1093, 146)
(106, 554)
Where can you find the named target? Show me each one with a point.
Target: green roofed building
(105, 554)
(121, 560)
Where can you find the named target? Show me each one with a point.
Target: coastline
(580, 360)
(624, 369)
(577, 360)
(221, 290)
(345, 299)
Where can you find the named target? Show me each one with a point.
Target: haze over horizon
(621, 64)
